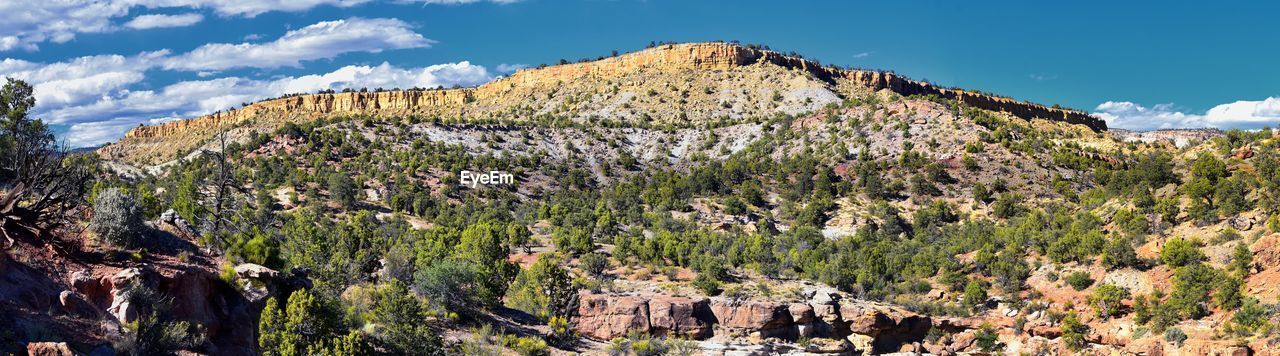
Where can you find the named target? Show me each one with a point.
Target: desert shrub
(986, 338)
(1178, 252)
(1251, 318)
(594, 264)
(1119, 253)
(1073, 332)
(155, 332)
(1107, 299)
(707, 284)
(117, 219)
(450, 285)
(1175, 335)
(526, 345)
(1079, 280)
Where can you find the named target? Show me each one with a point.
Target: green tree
(1107, 300)
(451, 285)
(1191, 286)
(1229, 195)
(305, 321)
(544, 290)
(484, 246)
(1073, 332)
(399, 316)
(975, 295)
(42, 183)
(343, 190)
(1119, 253)
(1178, 252)
(1229, 292)
(594, 264)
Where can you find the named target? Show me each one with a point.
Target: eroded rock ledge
(854, 325)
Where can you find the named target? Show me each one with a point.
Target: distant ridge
(521, 90)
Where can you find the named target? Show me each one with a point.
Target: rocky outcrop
(194, 294)
(49, 349)
(604, 317)
(680, 317)
(845, 323)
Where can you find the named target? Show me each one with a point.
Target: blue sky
(103, 66)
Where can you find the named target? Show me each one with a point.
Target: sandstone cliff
(671, 84)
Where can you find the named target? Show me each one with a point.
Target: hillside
(705, 198)
(680, 85)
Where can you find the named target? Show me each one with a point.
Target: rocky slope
(683, 85)
(78, 299)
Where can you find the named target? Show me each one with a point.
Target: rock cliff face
(601, 88)
(858, 325)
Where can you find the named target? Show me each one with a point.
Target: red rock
(750, 316)
(1045, 331)
(962, 341)
(684, 317)
(865, 320)
(49, 349)
(801, 313)
(604, 317)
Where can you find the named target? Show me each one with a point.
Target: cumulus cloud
(322, 40)
(79, 80)
(107, 118)
(161, 21)
(28, 23)
(1243, 114)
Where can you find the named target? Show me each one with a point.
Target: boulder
(962, 341)
(679, 316)
(604, 317)
(863, 344)
(801, 313)
(828, 346)
(49, 349)
(866, 321)
(255, 272)
(750, 316)
(1240, 223)
(121, 308)
(890, 327)
(74, 305)
(1047, 331)
(1245, 152)
(90, 287)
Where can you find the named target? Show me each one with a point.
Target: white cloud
(162, 21)
(511, 68)
(458, 2)
(79, 80)
(251, 8)
(110, 116)
(1041, 77)
(863, 55)
(322, 40)
(1244, 114)
(28, 23)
